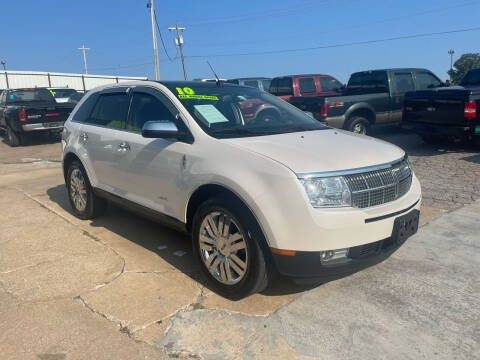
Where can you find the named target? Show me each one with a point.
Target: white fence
(23, 79)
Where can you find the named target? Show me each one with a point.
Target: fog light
(330, 256)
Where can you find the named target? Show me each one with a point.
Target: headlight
(330, 191)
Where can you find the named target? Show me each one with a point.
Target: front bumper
(306, 266)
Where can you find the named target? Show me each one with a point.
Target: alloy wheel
(223, 248)
(78, 190)
(360, 129)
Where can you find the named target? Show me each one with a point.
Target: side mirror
(160, 129)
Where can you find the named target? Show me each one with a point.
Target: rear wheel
(358, 125)
(13, 138)
(230, 248)
(85, 204)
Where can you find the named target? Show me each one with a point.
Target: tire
(235, 273)
(358, 125)
(85, 204)
(13, 139)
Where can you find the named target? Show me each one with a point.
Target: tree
(462, 65)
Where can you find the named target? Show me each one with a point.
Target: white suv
(261, 186)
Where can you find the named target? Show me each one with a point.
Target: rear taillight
(324, 111)
(22, 115)
(470, 110)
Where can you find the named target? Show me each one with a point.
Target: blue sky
(44, 35)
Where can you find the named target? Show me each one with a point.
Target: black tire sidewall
(356, 120)
(257, 265)
(88, 212)
(12, 138)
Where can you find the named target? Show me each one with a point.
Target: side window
(272, 89)
(146, 107)
(2, 97)
(266, 84)
(252, 83)
(426, 80)
(85, 109)
(284, 86)
(403, 82)
(110, 110)
(307, 85)
(329, 84)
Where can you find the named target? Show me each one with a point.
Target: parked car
(62, 95)
(254, 194)
(370, 98)
(30, 110)
(261, 83)
(75, 98)
(304, 85)
(445, 113)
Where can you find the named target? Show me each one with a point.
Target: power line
(161, 38)
(320, 47)
(337, 45)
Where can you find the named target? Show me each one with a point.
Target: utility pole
(84, 49)
(451, 52)
(154, 36)
(179, 43)
(4, 63)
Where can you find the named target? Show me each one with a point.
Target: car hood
(321, 150)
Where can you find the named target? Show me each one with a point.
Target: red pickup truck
(304, 85)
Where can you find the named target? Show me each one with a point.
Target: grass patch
(86, 233)
(197, 306)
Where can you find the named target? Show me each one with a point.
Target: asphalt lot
(122, 287)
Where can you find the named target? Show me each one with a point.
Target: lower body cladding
(321, 266)
(443, 130)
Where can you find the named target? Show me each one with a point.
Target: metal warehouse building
(23, 79)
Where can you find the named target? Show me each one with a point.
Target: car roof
(297, 75)
(252, 78)
(194, 83)
(392, 69)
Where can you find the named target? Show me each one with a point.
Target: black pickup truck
(30, 110)
(370, 98)
(445, 113)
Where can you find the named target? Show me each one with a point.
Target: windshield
(472, 78)
(62, 93)
(28, 95)
(235, 111)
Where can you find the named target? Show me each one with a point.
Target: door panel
(151, 171)
(401, 82)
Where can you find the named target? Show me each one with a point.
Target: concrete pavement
(122, 287)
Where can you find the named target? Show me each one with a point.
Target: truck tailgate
(436, 106)
(47, 114)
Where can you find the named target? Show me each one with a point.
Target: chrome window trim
(312, 175)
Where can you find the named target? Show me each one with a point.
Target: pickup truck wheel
(358, 125)
(13, 138)
(227, 243)
(85, 204)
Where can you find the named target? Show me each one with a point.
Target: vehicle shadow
(173, 247)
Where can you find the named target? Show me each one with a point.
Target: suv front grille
(380, 186)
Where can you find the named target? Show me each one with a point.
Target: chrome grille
(380, 186)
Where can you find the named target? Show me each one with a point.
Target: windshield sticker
(210, 114)
(189, 93)
(201, 97)
(12, 96)
(52, 92)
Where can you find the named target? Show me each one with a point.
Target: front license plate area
(405, 226)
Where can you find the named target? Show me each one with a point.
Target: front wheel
(230, 248)
(85, 204)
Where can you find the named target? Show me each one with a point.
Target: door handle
(123, 146)
(83, 137)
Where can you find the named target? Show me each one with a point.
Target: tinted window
(62, 93)
(403, 82)
(374, 80)
(252, 83)
(472, 78)
(232, 81)
(273, 86)
(27, 95)
(145, 108)
(307, 85)
(426, 80)
(330, 84)
(2, 96)
(284, 86)
(110, 110)
(85, 109)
